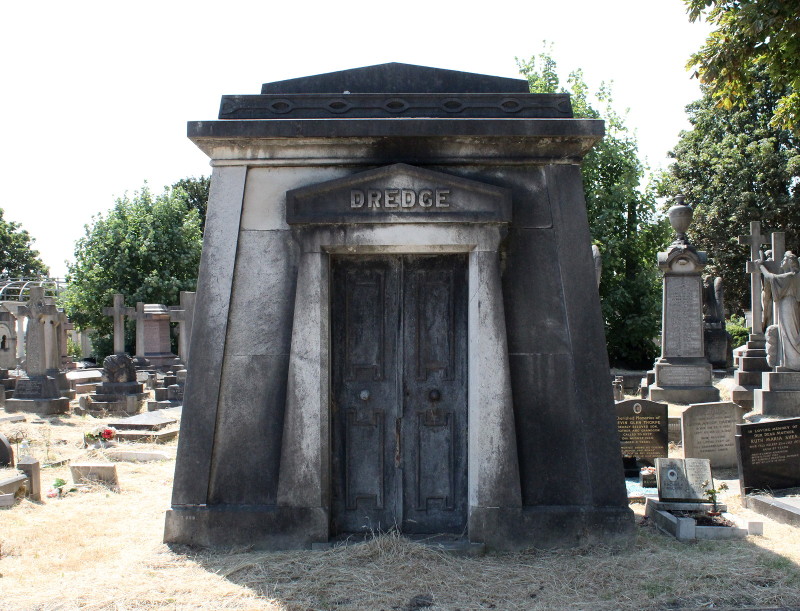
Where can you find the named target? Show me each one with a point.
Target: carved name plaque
(708, 431)
(642, 427)
(398, 194)
(683, 319)
(769, 454)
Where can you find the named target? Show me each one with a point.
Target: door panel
(399, 413)
(435, 414)
(365, 395)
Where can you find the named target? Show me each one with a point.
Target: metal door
(399, 413)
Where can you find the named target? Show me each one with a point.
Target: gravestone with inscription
(683, 480)
(360, 358)
(708, 431)
(682, 373)
(769, 455)
(642, 427)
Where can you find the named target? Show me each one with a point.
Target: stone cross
(183, 315)
(755, 240)
(38, 335)
(119, 312)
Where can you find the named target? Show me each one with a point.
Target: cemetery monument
(752, 357)
(682, 373)
(780, 391)
(360, 357)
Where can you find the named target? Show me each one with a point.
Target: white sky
(96, 95)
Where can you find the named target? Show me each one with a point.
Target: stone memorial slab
(13, 418)
(11, 485)
(105, 473)
(152, 421)
(769, 455)
(643, 431)
(6, 453)
(683, 480)
(147, 436)
(135, 455)
(708, 431)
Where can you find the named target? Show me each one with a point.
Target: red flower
(107, 434)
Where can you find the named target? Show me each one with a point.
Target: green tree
(751, 35)
(17, 257)
(622, 219)
(145, 247)
(193, 192)
(735, 166)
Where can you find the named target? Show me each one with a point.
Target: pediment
(398, 193)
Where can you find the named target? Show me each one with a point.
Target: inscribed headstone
(642, 427)
(769, 455)
(708, 431)
(683, 480)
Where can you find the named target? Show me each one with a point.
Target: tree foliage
(193, 192)
(17, 257)
(751, 35)
(622, 219)
(735, 166)
(146, 247)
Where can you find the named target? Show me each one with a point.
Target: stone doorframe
(304, 479)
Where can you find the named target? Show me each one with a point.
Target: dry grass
(98, 549)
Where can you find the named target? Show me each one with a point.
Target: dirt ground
(100, 549)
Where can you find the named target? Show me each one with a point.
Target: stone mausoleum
(397, 321)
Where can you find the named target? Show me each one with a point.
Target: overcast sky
(96, 95)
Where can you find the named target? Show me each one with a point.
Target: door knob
(434, 395)
(363, 395)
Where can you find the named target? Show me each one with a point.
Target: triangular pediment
(397, 78)
(398, 193)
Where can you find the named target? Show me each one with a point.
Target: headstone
(414, 187)
(105, 473)
(6, 453)
(708, 431)
(119, 393)
(683, 480)
(682, 373)
(716, 338)
(643, 433)
(769, 455)
(30, 466)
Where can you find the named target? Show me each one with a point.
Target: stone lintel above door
(398, 193)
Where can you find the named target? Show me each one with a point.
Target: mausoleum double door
(399, 393)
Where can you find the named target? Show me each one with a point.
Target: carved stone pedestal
(779, 394)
